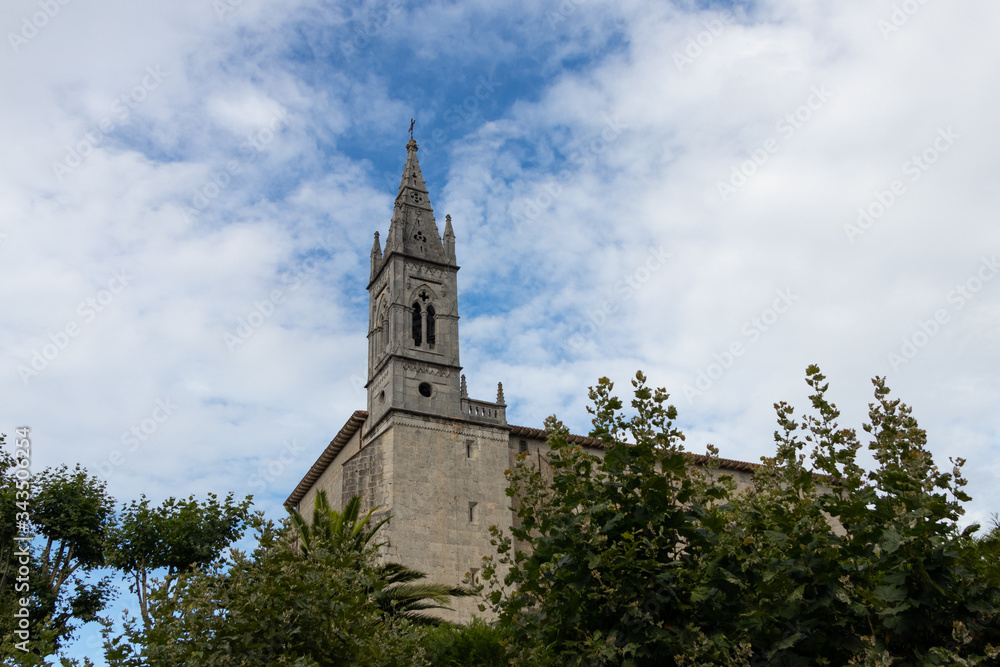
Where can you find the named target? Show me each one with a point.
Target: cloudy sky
(718, 194)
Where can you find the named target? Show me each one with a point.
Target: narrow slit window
(473, 512)
(417, 328)
(431, 328)
(384, 334)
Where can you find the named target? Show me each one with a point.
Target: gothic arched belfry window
(382, 342)
(417, 324)
(430, 327)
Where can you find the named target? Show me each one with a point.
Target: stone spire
(465, 389)
(500, 399)
(449, 241)
(413, 230)
(376, 256)
(412, 178)
(413, 355)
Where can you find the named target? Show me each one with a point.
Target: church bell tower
(413, 362)
(424, 453)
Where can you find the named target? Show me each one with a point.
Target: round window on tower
(425, 389)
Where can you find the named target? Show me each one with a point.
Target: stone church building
(423, 450)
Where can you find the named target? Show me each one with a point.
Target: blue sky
(716, 194)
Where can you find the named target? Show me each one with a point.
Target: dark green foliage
(398, 592)
(175, 536)
(70, 515)
(276, 606)
(478, 644)
(618, 543)
(78, 535)
(984, 555)
(402, 596)
(310, 594)
(348, 529)
(891, 580)
(643, 559)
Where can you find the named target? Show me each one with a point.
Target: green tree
(71, 515)
(77, 536)
(398, 592)
(985, 554)
(640, 558)
(478, 643)
(617, 543)
(175, 536)
(351, 532)
(838, 565)
(311, 593)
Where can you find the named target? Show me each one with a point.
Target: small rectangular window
(470, 448)
(522, 447)
(473, 512)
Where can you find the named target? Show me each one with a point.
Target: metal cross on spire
(411, 128)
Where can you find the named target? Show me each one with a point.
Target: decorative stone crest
(428, 370)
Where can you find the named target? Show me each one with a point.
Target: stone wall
(447, 488)
(363, 475)
(332, 479)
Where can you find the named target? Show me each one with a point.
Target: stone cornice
(384, 362)
(378, 426)
(412, 258)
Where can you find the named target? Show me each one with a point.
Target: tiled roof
(326, 458)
